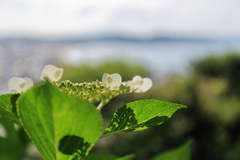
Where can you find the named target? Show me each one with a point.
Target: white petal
(141, 84)
(28, 84)
(58, 74)
(124, 83)
(147, 84)
(105, 80)
(112, 81)
(14, 84)
(47, 71)
(137, 80)
(131, 85)
(115, 81)
(52, 73)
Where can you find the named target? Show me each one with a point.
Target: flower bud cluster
(92, 91)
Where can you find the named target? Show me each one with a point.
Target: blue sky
(140, 17)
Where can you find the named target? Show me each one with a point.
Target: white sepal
(51, 73)
(112, 81)
(19, 85)
(131, 85)
(141, 84)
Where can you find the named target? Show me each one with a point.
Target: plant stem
(100, 106)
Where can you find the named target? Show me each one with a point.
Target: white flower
(51, 73)
(112, 81)
(19, 85)
(141, 84)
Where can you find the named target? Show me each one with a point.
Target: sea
(160, 57)
(26, 57)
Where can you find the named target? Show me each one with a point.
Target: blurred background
(191, 50)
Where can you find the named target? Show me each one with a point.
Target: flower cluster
(96, 91)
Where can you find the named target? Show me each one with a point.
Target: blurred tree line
(211, 90)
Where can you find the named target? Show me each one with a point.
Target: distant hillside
(79, 39)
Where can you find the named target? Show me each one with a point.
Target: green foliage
(60, 126)
(9, 142)
(140, 115)
(180, 153)
(62, 123)
(86, 73)
(64, 127)
(212, 92)
(227, 66)
(8, 107)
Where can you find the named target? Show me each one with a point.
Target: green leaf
(180, 153)
(61, 127)
(140, 115)
(107, 157)
(8, 107)
(128, 157)
(100, 157)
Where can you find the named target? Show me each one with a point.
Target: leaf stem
(101, 104)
